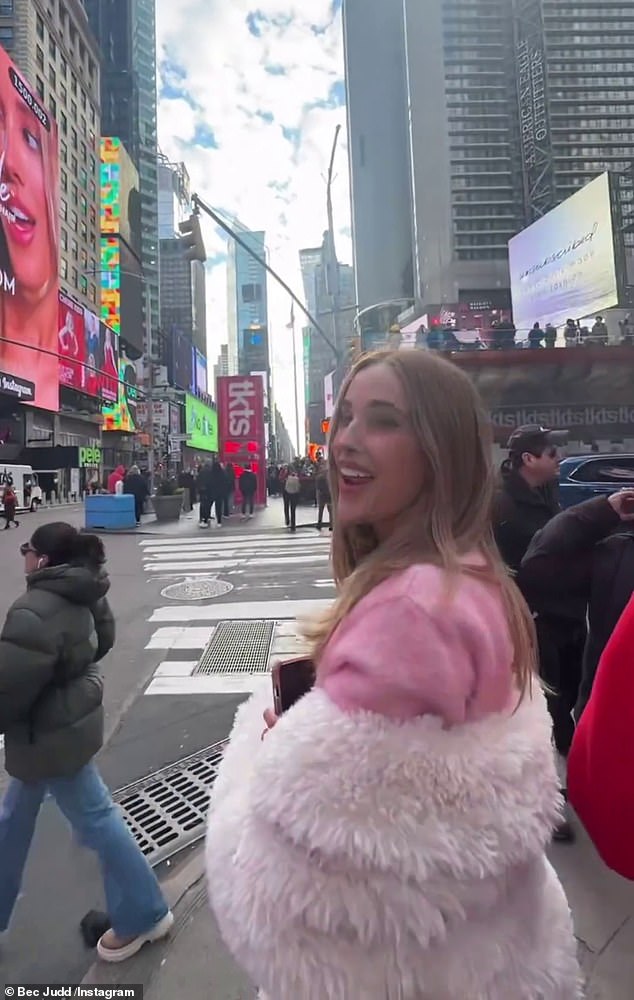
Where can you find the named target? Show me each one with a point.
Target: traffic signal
(192, 239)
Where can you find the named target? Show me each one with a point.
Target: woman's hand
(622, 503)
(270, 718)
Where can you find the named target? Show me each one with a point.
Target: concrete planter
(168, 508)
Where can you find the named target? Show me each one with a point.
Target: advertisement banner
(563, 265)
(29, 241)
(160, 415)
(201, 425)
(102, 359)
(591, 397)
(532, 103)
(241, 425)
(175, 419)
(72, 343)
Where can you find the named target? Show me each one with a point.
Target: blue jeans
(133, 896)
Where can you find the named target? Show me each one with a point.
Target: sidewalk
(269, 518)
(194, 962)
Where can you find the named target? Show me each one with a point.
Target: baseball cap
(534, 437)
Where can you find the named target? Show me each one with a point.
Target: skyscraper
(496, 110)
(183, 281)
(126, 32)
(378, 149)
(467, 198)
(319, 359)
(247, 310)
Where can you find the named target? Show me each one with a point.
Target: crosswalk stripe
(240, 611)
(210, 684)
(230, 551)
(233, 555)
(216, 540)
(221, 536)
(216, 566)
(242, 554)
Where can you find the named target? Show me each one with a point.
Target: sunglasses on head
(25, 548)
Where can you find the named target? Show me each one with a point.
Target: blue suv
(583, 477)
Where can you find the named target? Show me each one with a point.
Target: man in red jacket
(601, 759)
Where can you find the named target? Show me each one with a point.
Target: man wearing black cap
(527, 498)
(524, 504)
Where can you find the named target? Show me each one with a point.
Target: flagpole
(295, 385)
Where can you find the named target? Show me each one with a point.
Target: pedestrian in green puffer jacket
(51, 712)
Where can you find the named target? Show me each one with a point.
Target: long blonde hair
(452, 428)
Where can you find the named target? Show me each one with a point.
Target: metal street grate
(166, 811)
(238, 647)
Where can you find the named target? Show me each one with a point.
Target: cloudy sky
(249, 97)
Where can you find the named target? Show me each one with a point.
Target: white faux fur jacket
(350, 857)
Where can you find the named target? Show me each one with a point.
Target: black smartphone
(292, 679)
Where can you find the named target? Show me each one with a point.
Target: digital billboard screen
(120, 198)
(102, 359)
(563, 266)
(88, 351)
(111, 282)
(182, 362)
(71, 343)
(200, 371)
(29, 242)
(201, 424)
(122, 415)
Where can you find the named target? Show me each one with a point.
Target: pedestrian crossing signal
(325, 426)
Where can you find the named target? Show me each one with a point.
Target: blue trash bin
(110, 512)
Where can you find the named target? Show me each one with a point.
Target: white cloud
(270, 103)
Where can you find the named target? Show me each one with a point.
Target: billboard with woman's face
(29, 238)
(70, 338)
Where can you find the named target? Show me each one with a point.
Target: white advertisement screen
(563, 265)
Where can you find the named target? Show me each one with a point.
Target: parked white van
(25, 485)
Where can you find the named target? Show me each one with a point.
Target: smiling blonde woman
(386, 841)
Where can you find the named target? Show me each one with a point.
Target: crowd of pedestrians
(215, 486)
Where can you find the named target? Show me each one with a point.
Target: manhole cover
(166, 811)
(238, 647)
(196, 590)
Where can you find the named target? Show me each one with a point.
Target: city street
(162, 707)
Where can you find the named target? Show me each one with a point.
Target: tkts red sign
(241, 425)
